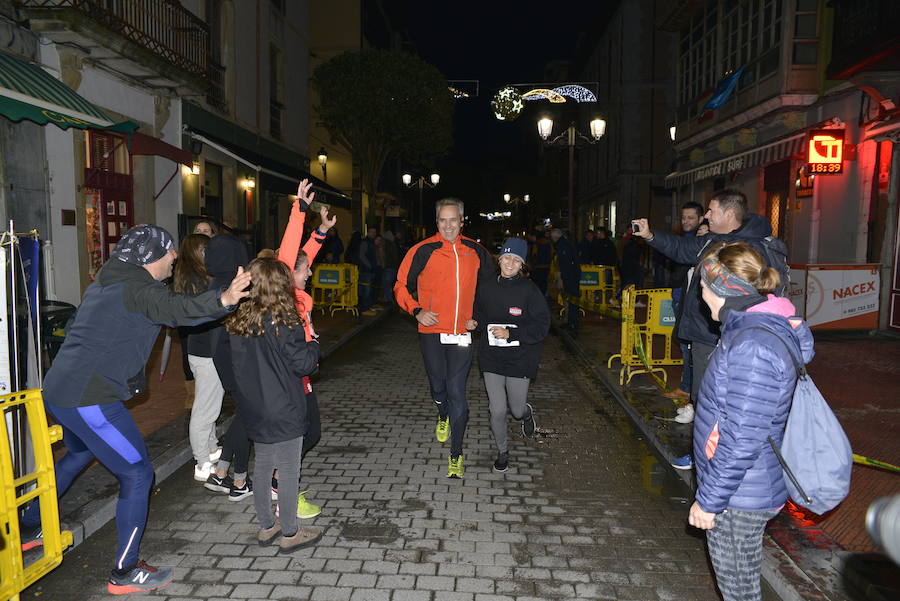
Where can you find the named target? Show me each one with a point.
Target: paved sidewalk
(163, 420)
(586, 511)
(807, 555)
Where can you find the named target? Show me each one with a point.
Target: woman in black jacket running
(513, 317)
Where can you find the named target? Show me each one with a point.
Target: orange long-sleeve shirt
(287, 254)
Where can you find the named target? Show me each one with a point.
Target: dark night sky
(496, 43)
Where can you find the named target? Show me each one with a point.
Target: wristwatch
(416, 311)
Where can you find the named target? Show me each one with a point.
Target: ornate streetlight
(420, 182)
(570, 137)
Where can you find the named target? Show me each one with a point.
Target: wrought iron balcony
(164, 27)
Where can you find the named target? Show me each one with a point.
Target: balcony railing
(162, 26)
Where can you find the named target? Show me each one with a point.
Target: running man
(436, 285)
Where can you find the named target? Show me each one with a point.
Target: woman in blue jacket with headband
(745, 397)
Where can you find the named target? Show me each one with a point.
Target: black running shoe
(528, 423)
(239, 494)
(501, 464)
(216, 484)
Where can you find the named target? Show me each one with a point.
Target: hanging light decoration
(507, 104)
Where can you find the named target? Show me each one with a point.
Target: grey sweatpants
(504, 391)
(208, 394)
(285, 456)
(735, 547)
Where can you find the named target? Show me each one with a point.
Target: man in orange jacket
(436, 284)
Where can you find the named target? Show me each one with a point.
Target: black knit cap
(143, 244)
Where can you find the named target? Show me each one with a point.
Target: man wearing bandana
(101, 365)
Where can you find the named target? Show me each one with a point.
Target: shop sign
(834, 294)
(825, 151)
(720, 168)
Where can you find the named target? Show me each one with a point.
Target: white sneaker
(202, 472)
(214, 456)
(685, 414)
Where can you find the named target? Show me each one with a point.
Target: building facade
(757, 81)
(621, 177)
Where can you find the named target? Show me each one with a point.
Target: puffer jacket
(745, 397)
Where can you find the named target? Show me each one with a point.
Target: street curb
(779, 570)
(88, 518)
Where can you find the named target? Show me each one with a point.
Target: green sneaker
(455, 467)
(442, 432)
(305, 509)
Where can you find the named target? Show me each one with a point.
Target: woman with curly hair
(270, 356)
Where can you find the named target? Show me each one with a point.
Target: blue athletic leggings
(108, 433)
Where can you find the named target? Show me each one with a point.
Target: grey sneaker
(143, 577)
(267, 536)
(304, 537)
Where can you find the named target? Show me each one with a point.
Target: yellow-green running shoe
(305, 509)
(442, 432)
(455, 467)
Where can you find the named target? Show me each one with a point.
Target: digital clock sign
(826, 151)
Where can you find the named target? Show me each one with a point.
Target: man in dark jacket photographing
(728, 222)
(101, 365)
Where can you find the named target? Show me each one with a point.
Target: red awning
(148, 145)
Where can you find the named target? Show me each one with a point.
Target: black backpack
(776, 254)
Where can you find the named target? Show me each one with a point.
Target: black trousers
(447, 366)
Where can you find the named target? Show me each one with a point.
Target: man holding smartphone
(729, 221)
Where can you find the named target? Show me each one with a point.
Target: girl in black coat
(513, 317)
(270, 356)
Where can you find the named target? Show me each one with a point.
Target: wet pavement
(586, 510)
(807, 556)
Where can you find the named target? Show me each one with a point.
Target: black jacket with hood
(695, 323)
(269, 371)
(515, 301)
(106, 349)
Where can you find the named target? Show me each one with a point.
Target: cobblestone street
(585, 511)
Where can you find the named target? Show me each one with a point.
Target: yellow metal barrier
(15, 576)
(637, 354)
(335, 287)
(598, 287)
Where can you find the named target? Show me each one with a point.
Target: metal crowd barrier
(637, 349)
(18, 571)
(598, 287)
(335, 287)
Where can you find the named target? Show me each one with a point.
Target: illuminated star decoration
(507, 104)
(573, 91)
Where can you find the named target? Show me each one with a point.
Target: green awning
(29, 92)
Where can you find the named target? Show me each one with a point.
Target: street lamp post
(516, 201)
(420, 183)
(570, 138)
(323, 161)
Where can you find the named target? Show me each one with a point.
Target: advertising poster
(797, 289)
(842, 297)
